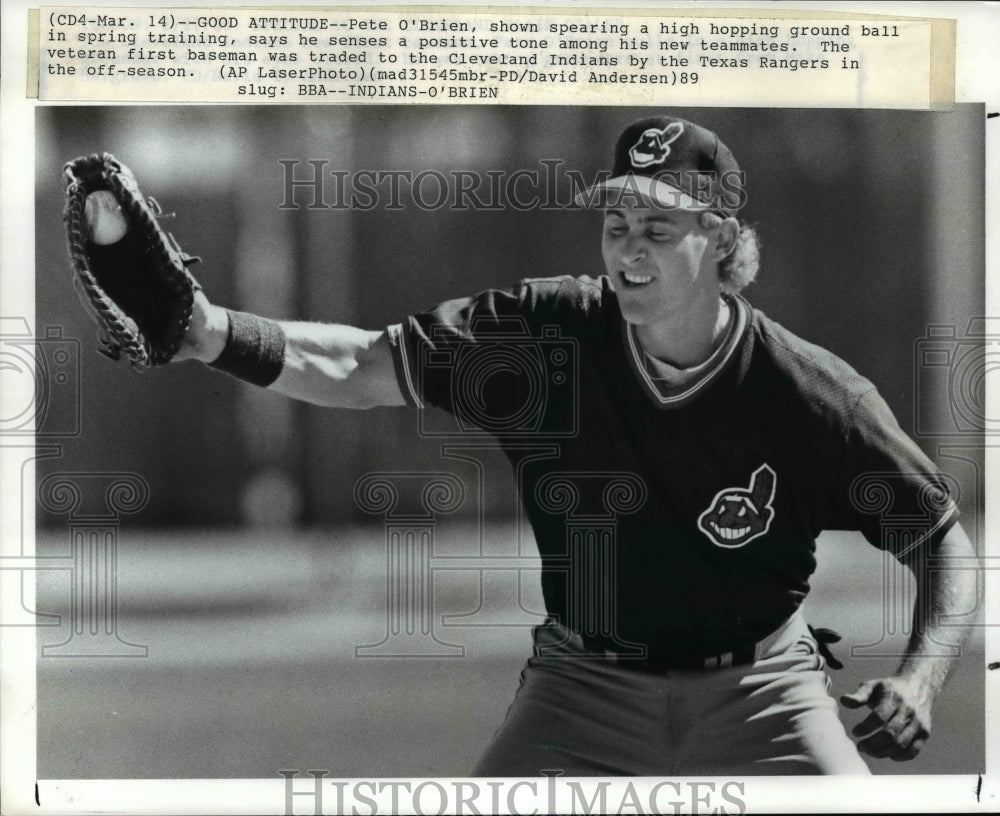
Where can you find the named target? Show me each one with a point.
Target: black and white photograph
(300, 532)
(527, 442)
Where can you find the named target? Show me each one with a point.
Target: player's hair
(739, 268)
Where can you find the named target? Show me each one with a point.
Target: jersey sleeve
(485, 359)
(888, 488)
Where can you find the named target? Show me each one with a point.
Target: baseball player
(720, 443)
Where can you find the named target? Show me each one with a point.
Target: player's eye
(660, 236)
(615, 230)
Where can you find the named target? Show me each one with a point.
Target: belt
(680, 662)
(554, 639)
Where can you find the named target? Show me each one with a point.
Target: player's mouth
(729, 533)
(633, 281)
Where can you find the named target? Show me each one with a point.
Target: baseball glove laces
(137, 289)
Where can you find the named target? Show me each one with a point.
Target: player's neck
(688, 338)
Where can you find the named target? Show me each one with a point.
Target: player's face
(660, 262)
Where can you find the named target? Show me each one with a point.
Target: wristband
(255, 349)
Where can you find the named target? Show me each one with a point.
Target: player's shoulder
(816, 374)
(581, 291)
(569, 298)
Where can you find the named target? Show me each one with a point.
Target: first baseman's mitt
(138, 290)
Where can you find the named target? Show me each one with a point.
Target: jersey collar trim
(666, 396)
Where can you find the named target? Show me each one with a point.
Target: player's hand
(206, 335)
(900, 722)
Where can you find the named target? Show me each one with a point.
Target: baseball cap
(673, 163)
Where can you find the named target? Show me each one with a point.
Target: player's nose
(632, 250)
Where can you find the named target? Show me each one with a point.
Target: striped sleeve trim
(403, 366)
(941, 526)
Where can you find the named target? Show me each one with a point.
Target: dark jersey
(671, 518)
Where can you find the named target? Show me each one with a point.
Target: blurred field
(251, 665)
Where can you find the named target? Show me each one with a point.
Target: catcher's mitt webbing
(255, 349)
(138, 290)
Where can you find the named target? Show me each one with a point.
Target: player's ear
(725, 237)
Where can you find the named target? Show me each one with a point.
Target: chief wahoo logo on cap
(653, 146)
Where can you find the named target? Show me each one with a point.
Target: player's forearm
(946, 590)
(335, 366)
(325, 364)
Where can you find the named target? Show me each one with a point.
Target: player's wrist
(206, 335)
(253, 350)
(924, 675)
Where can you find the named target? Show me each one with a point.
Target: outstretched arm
(330, 365)
(900, 722)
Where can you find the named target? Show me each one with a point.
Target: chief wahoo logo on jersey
(653, 146)
(738, 515)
